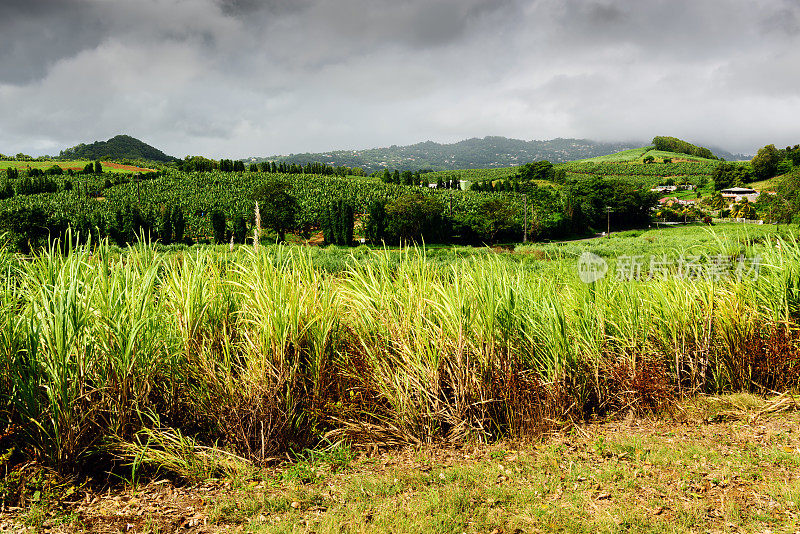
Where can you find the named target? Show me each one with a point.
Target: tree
(673, 144)
(178, 224)
(277, 207)
(375, 227)
(98, 168)
(219, 226)
(239, 229)
(337, 224)
(413, 217)
(765, 163)
(727, 175)
(494, 219)
(165, 226)
(743, 210)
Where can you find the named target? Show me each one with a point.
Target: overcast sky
(235, 78)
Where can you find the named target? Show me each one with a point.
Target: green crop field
(75, 165)
(627, 164)
(402, 347)
(635, 156)
(212, 364)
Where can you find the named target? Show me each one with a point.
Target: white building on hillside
(738, 193)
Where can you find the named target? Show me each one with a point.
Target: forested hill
(118, 147)
(486, 153)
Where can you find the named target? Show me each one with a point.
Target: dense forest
(673, 144)
(117, 148)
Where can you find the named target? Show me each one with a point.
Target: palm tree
(717, 202)
(743, 210)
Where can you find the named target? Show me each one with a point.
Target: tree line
(673, 144)
(201, 164)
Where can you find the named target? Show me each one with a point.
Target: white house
(738, 193)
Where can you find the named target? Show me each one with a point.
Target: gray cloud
(243, 77)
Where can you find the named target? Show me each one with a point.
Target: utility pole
(525, 231)
(608, 221)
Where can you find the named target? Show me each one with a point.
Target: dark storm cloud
(242, 77)
(34, 35)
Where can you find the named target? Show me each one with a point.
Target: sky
(239, 78)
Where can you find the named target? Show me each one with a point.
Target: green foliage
(178, 224)
(165, 227)
(375, 227)
(219, 226)
(743, 210)
(785, 206)
(793, 154)
(588, 202)
(200, 362)
(106, 198)
(27, 228)
(197, 164)
(240, 230)
(278, 207)
(495, 220)
(118, 147)
(765, 163)
(672, 144)
(337, 224)
(728, 175)
(412, 218)
(691, 169)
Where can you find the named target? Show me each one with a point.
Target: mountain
(728, 156)
(489, 152)
(118, 147)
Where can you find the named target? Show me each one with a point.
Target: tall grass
(150, 355)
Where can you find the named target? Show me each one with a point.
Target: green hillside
(486, 153)
(118, 147)
(651, 166)
(636, 155)
(628, 164)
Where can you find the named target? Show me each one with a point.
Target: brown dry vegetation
(713, 464)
